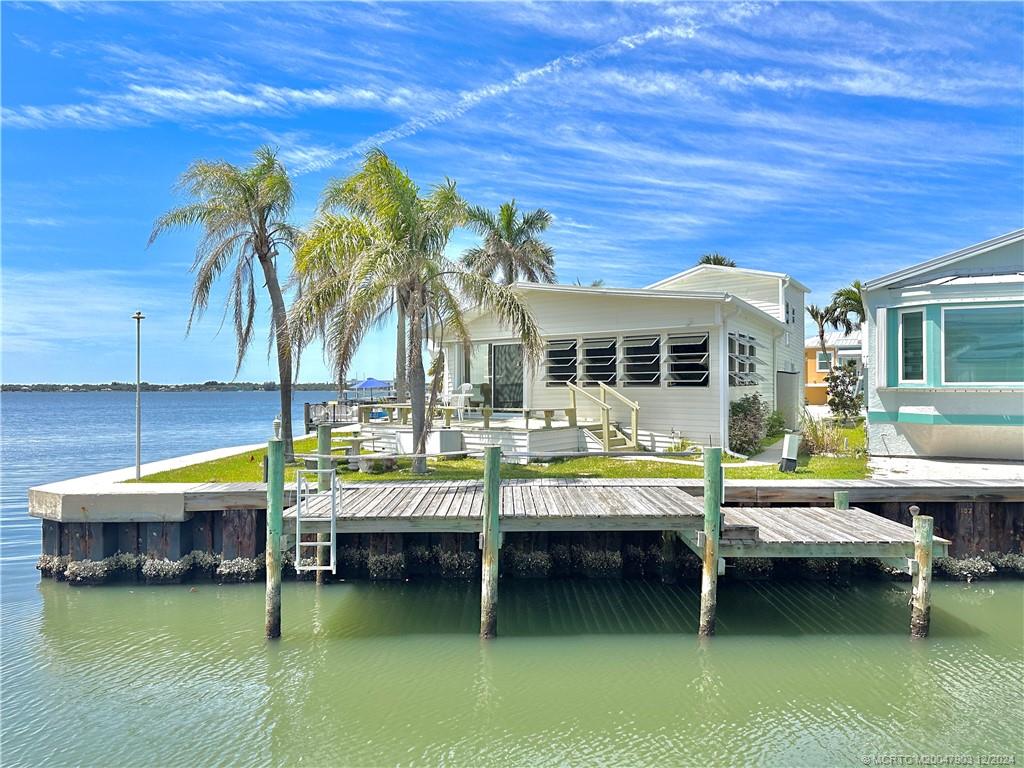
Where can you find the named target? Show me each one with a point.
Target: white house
(681, 349)
(944, 349)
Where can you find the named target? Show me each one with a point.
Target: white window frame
(924, 345)
(624, 343)
(574, 378)
(942, 349)
(817, 359)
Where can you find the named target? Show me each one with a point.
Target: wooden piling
(490, 542)
(323, 483)
(713, 491)
(841, 499)
(275, 508)
(921, 599)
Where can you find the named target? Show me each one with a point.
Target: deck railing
(634, 412)
(605, 409)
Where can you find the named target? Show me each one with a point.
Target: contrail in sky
(469, 99)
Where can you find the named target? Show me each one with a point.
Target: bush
(527, 565)
(842, 383)
(748, 419)
(819, 437)
(775, 425)
(165, 571)
(455, 565)
(963, 569)
(87, 571)
(240, 569)
(387, 565)
(1006, 564)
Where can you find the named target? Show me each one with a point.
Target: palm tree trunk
(284, 353)
(417, 397)
(401, 378)
(821, 341)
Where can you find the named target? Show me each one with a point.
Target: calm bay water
(585, 672)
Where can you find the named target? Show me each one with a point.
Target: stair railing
(604, 408)
(634, 413)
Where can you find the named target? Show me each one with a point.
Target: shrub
(455, 565)
(527, 565)
(1006, 564)
(963, 569)
(775, 425)
(240, 569)
(818, 436)
(165, 571)
(748, 418)
(387, 565)
(601, 564)
(87, 571)
(842, 383)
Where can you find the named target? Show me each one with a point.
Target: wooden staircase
(617, 441)
(607, 434)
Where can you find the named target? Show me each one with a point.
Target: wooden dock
(608, 505)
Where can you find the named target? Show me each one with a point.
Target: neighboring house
(682, 349)
(842, 349)
(944, 349)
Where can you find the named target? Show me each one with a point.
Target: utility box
(790, 447)
(439, 441)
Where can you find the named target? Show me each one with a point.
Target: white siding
(760, 290)
(692, 412)
(764, 334)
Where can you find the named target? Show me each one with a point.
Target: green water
(585, 672)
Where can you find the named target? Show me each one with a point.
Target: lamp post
(138, 317)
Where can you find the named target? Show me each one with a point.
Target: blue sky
(831, 141)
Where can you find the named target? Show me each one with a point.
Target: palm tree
(512, 244)
(830, 315)
(378, 238)
(716, 259)
(243, 215)
(850, 301)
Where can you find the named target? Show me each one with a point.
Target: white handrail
(634, 416)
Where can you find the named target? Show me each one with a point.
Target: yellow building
(842, 349)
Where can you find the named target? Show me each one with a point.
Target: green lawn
(249, 467)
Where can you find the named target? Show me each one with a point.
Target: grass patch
(248, 467)
(241, 468)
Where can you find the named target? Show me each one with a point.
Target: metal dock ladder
(312, 503)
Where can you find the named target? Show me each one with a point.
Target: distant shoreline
(210, 386)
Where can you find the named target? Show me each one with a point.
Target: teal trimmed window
(983, 345)
(912, 345)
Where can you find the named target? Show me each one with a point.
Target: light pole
(138, 317)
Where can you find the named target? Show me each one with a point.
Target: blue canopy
(372, 384)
